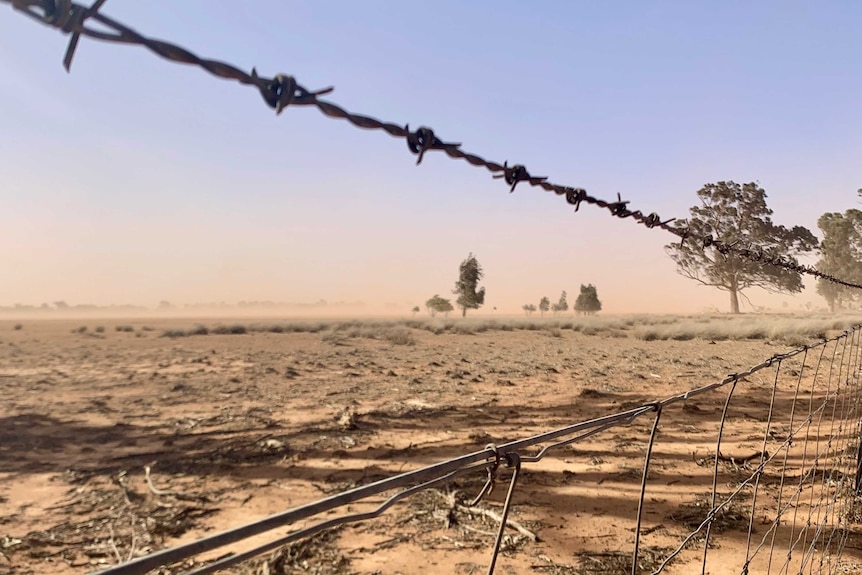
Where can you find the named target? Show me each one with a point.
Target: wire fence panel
(782, 467)
(782, 473)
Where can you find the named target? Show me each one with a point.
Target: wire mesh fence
(783, 471)
(782, 474)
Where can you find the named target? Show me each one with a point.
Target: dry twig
(498, 518)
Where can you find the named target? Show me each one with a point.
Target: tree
(470, 296)
(561, 305)
(528, 308)
(588, 300)
(737, 214)
(415, 310)
(437, 305)
(544, 305)
(840, 256)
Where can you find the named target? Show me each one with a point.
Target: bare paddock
(119, 443)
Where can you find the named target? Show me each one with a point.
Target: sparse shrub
(235, 329)
(795, 340)
(333, 337)
(436, 328)
(555, 332)
(649, 335)
(82, 329)
(174, 333)
(682, 336)
(100, 329)
(198, 330)
(148, 328)
(124, 328)
(463, 329)
(299, 327)
(18, 327)
(400, 337)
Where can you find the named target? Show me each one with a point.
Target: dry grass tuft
(786, 329)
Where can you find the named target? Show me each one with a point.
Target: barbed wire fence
(803, 483)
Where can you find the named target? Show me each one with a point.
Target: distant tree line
(587, 303)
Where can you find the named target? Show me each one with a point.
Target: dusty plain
(131, 436)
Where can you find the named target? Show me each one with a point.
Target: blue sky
(133, 179)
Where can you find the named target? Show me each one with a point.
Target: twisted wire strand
(282, 91)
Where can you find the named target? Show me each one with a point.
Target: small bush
(82, 329)
(18, 327)
(463, 329)
(198, 330)
(174, 333)
(399, 337)
(124, 328)
(333, 337)
(235, 329)
(100, 329)
(649, 335)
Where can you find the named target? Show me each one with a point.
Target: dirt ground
(114, 444)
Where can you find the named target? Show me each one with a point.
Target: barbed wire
(282, 91)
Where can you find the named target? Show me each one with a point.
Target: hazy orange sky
(134, 180)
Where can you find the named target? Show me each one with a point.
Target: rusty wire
(282, 91)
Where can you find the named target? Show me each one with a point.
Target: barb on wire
(284, 90)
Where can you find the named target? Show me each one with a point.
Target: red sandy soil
(238, 427)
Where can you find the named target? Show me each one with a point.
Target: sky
(132, 179)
